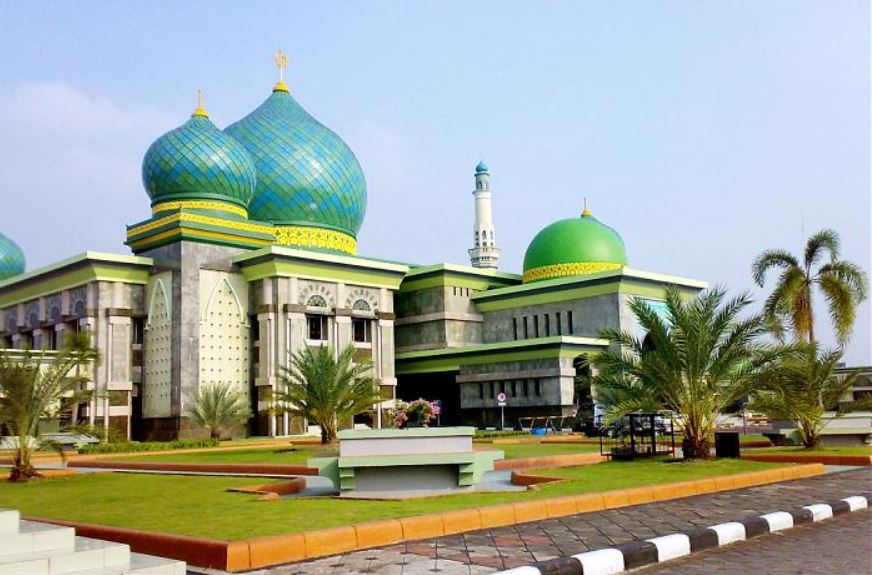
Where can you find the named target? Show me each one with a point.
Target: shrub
(134, 446)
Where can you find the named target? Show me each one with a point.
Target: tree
(327, 390)
(218, 407)
(801, 386)
(843, 284)
(32, 386)
(694, 362)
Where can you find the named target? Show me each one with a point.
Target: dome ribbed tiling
(11, 258)
(306, 174)
(197, 161)
(574, 246)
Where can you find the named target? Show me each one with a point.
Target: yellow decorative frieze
(304, 237)
(199, 205)
(569, 269)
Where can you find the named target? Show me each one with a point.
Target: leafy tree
(32, 387)
(694, 362)
(327, 390)
(843, 284)
(218, 407)
(800, 387)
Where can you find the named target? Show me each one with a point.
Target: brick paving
(488, 550)
(837, 546)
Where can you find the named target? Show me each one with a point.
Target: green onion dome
(198, 166)
(11, 258)
(481, 168)
(306, 175)
(574, 246)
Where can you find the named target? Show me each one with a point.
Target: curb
(636, 554)
(852, 460)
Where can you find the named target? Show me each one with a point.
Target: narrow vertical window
(536, 325)
(502, 387)
(547, 324)
(526, 331)
(526, 388)
(493, 391)
(514, 328)
(559, 327)
(538, 387)
(514, 388)
(569, 321)
(481, 391)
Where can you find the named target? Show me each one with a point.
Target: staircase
(31, 548)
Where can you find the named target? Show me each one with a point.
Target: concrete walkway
(488, 550)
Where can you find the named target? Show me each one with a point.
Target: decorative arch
(310, 289)
(243, 318)
(158, 294)
(357, 295)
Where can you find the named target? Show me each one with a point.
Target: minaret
(484, 253)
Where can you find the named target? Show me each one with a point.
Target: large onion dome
(306, 175)
(574, 246)
(11, 258)
(198, 166)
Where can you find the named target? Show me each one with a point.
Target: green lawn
(299, 454)
(201, 506)
(858, 450)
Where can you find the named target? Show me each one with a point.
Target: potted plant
(418, 413)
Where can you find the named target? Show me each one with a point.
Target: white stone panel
(157, 387)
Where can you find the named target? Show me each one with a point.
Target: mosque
(250, 253)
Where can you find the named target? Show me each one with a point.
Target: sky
(704, 132)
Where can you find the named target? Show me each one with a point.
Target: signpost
(501, 401)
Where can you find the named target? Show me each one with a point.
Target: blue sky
(703, 131)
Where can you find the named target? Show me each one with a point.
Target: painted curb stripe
(635, 554)
(819, 511)
(671, 546)
(601, 562)
(778, 521)
(729, 532)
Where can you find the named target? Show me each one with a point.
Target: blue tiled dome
(481, 168)
(197, 161)
(306, 174)
(11, 258)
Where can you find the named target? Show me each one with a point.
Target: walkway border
(852, 460)
(288, 548)
(636, 554)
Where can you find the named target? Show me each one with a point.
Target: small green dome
(197, 161)
(11, 258)
(481, 168)
(574, 246)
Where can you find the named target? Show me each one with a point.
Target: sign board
(501, 397)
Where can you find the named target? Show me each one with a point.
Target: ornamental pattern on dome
(11, 258)
(566, 270)
(306, 174)
(197, 161)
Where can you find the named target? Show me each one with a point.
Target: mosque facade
(250, 254)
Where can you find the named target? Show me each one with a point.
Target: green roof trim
(447, 274)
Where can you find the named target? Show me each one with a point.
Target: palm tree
(218, 407)
(843, 284)
(32, 385)
(800, 387)
(695, 361)
(327, 390)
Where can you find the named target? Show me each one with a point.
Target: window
(514, 388)
(481, 391)
(547, 324)
(536, 325)
(559, 327)
(526, 331)
(493, 391)
(569, 321)
(361, 305)
(317, 327)
(538, 386)
(361, 330)
(514, 328)
(317, 301)
(502, 387)
(52, 339)
(138, 325)
(526, 388)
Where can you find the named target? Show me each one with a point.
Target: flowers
(416, 413)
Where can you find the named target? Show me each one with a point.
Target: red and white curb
(637, 554)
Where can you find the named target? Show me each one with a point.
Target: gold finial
(200, 111)
(281, 60)
(586, 211)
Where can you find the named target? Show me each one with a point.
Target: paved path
(488, 550)
(839, 545)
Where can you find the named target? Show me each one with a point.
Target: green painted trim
(452, 359)
(405, 460)
(185, 235)
(444, 274)
(73, 272)
(390, 433)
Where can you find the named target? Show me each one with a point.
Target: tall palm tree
(32, 385)
(801, 387)
(843, 284)
(695, 361)
(218, 407)
(327, 390)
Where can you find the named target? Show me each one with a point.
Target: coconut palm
(318, 387)
(695, 361)
(218, 407)
(843, 284)
(801, 387)
(32, 387)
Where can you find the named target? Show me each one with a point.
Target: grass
(858, 450)
(201, 506)
(299, 454)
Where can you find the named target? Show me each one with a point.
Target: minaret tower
(484, 253)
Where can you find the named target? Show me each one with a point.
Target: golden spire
(281, 60)
(586, 211)
(200, 111)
